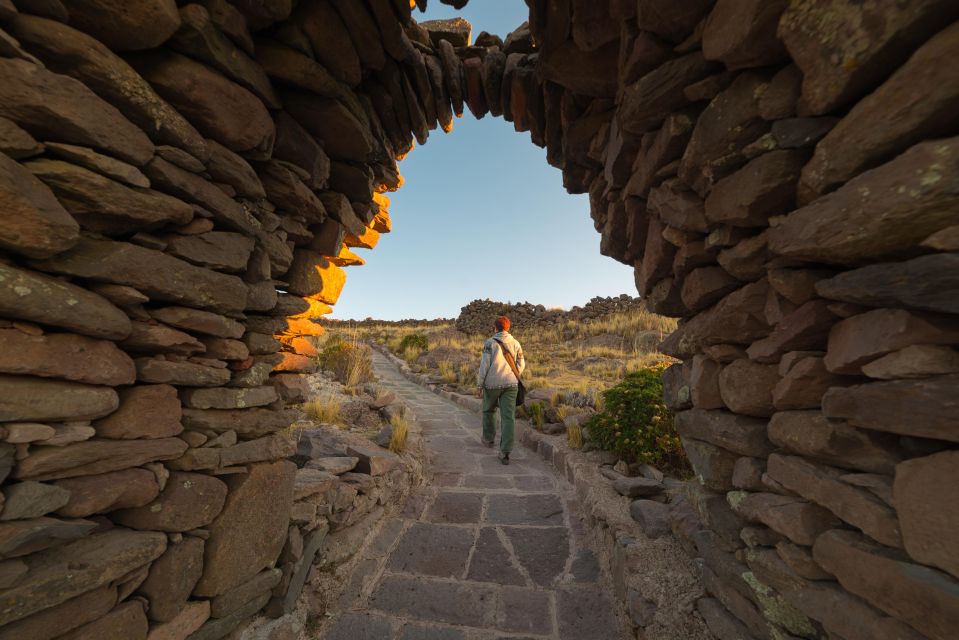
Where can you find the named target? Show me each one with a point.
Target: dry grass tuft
(349, 361)
(323, 409)
(401, 430)
(574, 436)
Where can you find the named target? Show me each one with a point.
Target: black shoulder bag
(521, 388)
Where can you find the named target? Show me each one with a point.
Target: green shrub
(411, 347)
(350, 363)
(635, 423)
(537, 415)
(414, 341)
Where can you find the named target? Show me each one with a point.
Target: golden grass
(447, 371)
(557, 357)
(411, 354)
(401, 430)
(323, 409)
(574, 436)
(347, 358)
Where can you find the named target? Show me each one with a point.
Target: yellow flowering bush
(635, 423)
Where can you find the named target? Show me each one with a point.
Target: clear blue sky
(482, 215)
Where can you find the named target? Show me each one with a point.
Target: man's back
(495, 372)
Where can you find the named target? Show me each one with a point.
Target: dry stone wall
(783, 177)
(183, 184)
(479, 316)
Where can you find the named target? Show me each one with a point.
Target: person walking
(498, 381)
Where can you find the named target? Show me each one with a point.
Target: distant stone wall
(479, 316)
(369, 322)
(183, 185)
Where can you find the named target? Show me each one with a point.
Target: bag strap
(509, 358)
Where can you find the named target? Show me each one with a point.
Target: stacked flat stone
(182, 188)
(183, 185)
(339, 495)
(783, 178)
(479, 316)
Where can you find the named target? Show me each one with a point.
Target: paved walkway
(483, 552)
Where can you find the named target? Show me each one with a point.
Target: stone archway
(166, 169)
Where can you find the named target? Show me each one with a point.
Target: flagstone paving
(482, 552)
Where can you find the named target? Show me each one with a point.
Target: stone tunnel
(183, 185)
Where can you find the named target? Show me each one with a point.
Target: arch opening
(185, 183)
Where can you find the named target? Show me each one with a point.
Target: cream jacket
(494, 371)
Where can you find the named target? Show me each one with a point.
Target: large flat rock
(927, 510)
(34, 223)
(189, 501)
(890, 119)
(333, 125)
(172, 577)
(882, 213)
(65, 355)
(95, 456)
(107, 206)
(930, 283)
(125, 26)
(220, 250)
(66, 50)
(248, 423)
(846, 49)
(146, 411)
(36, 297)
(218, 108)
(108, 491)
(23, 537)
(923, 408)
(155, 273)
(54, 621)
(58, 108)
(199, 38)
(928, 600)
(249, 533)
(56, 575)
(811, 434)
(312, 275)
(26, 399)
(128, 621)
(740, 434)
(799, 520)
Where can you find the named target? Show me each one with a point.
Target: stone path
(483, 552)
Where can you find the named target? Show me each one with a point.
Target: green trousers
(505, 399)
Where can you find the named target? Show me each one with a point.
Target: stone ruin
(478, 316)
(183, 185)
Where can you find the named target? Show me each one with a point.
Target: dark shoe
(488, 443)
(504, 457)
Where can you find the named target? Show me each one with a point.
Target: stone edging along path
(652, 581)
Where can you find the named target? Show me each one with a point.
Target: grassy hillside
(569, 363)
(599, 380)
